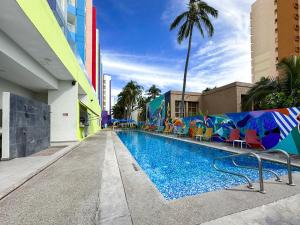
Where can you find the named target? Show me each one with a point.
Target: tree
(127, 100)
(208, 89)
(142, 104)
(198, 14)
(289, 71)
(153, 92)
(282, 92)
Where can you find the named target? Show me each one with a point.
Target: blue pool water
(180, 169)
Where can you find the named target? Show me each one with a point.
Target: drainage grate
(135, 167)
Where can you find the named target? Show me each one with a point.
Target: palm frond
(289, 70)
(207, 9)
(198, 25)
(182, 32)
(204, 19)
(179, 20)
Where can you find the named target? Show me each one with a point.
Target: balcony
(71, 12)
(57, 11)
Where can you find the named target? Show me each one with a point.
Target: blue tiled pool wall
(180, 169)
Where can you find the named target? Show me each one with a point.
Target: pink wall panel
(89, 38)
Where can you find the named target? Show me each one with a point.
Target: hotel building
(274, 35)
(49, 68)
(221, 100)
(107, 93)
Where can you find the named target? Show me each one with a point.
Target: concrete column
(63, 106)
(5, 124)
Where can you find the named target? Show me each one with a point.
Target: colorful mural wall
(156, 110)
(276, 129)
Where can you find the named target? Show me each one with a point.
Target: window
(192, 108)
(177, 108)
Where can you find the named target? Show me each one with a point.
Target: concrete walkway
(14, 173)
(67, 192)
(113, 204)
(99, 182)
(147, 206)
(286, 211)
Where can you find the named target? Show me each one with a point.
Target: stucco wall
(226, 99)
(263, 39)
(223, 101)
(6, 86)
(64, 103)
(191, 97)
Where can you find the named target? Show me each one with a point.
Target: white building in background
(107, 93)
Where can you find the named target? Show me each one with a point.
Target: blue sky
(136, 44)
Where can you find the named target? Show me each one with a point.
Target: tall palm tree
(198, 14)
(131, 93)
(153, 92)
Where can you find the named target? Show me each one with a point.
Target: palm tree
(260, 90)
(289, 71)
(198, 14)
(283, 91)
(131, 93)
(153, 92)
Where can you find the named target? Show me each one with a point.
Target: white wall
(63, 101)
(135, 115)
(6, 86)
(5, 123)
(107, 93)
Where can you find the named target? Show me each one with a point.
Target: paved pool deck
(279, 205)
(99, 182)
(15, 172)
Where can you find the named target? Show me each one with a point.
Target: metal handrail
(288, 163)
(278, 179)
(260, 170)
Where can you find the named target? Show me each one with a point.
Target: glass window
(192, 108)
(177, 108)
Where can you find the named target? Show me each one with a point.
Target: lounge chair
(184, 132)
(252, 140)
(208, 134)
(146, 128)
(199, 133)
(170, 130)
(152, 128)
(160, 129)
(178, 130)
(167, 127)
(234, 135)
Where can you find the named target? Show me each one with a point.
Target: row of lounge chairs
(251, 138)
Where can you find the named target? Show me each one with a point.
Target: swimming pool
(180, 169)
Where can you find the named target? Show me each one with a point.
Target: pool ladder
(259, 168)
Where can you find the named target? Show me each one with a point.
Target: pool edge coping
(193, 198)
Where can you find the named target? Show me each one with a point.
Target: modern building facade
(46, 93)
(107, 93)
(225, 99)
(274, 35)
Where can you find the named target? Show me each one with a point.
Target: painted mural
(156, 110)
(276, 129)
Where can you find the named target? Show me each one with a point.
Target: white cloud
(214, 62)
